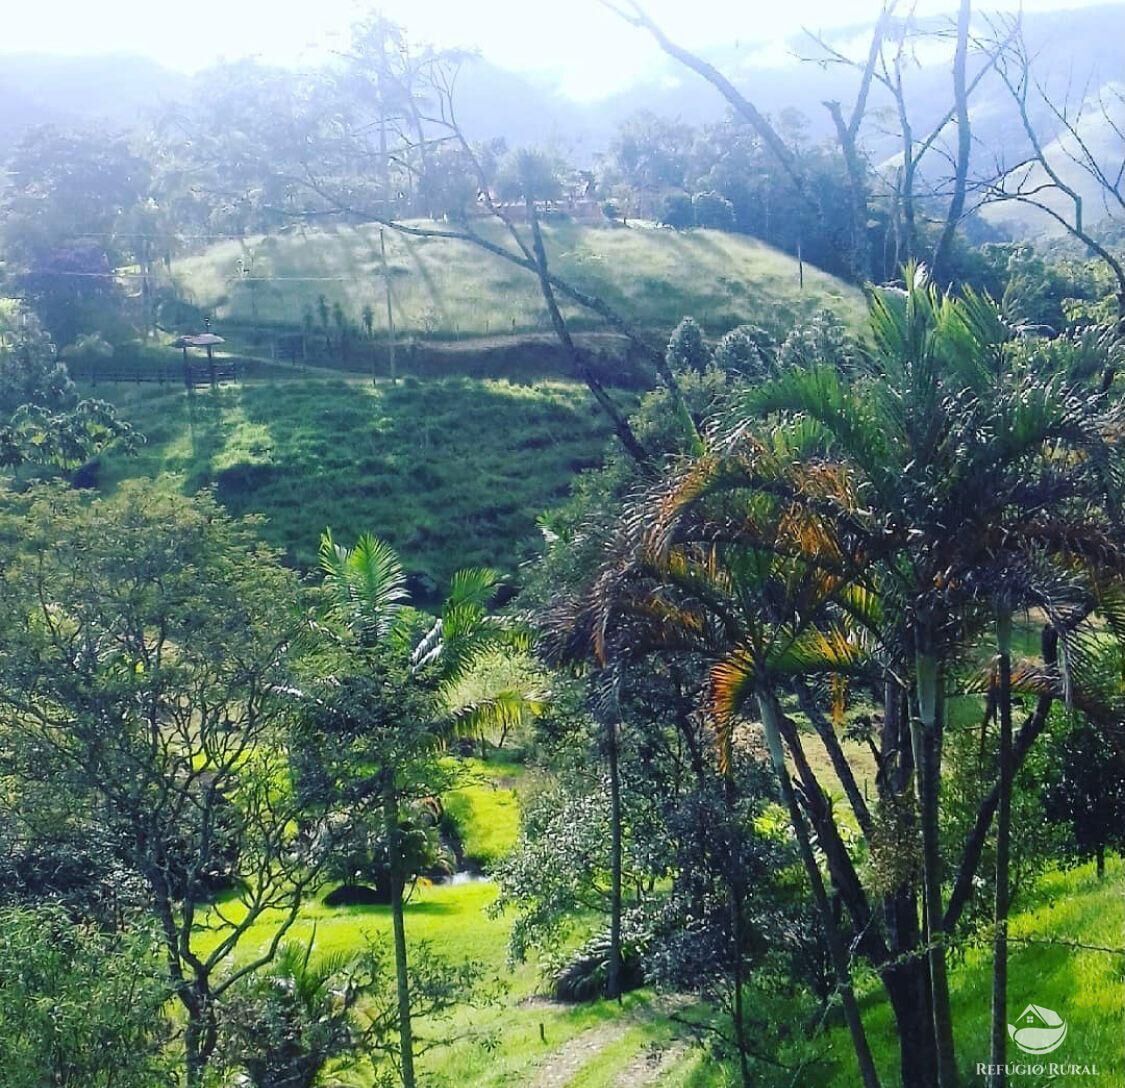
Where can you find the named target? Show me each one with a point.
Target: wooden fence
(193, 375)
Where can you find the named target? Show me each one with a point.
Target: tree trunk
(402, 975)
(771, 721)
(924, 740)
(390, 309)
(999, 1045)
(737, 895)
(621, 425)
(193, 1059)
(861, 262)
(613, 974)
(964, 140)
(200, 1035)
(908, 988)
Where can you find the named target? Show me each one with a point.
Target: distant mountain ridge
(116, 90)
(120, 91)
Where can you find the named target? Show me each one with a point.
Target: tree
(30, 370)
(932, 465)
(750, 612)
(146, 671)
(676, 211)
(759, 554)
(80, 1007)
(1086, 793)
(1061, 172)
(382, 704)
(65, 210)
(650, 154)
(713, 210)
(286, 1024)
(314, 1014)
(42, 422)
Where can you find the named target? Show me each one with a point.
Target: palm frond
(367, 583)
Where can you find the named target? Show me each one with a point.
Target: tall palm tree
(890, 494)
(961, 454)
(753, 586)
(481, 659)
(367, 593)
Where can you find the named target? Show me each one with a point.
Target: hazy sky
(577, 42)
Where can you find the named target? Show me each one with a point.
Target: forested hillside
(496, 592)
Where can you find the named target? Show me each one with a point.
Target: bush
(359, 895)
(687, 349)
(676, 211)
(584, 976)
(78, 1005)
(747, 350)
(713, 210)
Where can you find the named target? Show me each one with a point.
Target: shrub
(686, 347)
(79, 1005)
(676, 211)
(713, 210)
(584, 976)
(747, 350)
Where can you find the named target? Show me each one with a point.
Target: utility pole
(390, 309)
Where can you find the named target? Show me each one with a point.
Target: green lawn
(451, 472)
(485, 808)
(520, 1040)
(447, 289)
(510, 1042)
(1085, 986)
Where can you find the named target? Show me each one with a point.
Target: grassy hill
(453, 472)
(446, 289)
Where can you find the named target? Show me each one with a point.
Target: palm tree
(367, 593)
(962, 454)
(878, 503)
(706, 562)
(300, 1015)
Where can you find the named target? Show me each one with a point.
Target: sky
(584, 49)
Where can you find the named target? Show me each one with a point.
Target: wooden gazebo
(196, 375)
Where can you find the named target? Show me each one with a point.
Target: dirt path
(650, 1065)
(562, 1065)
(646, 1067)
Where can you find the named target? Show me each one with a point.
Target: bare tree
(372, 170)
(911, 190)
(1062, 166)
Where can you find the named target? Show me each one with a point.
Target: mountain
(1078, 49)
(117, 91)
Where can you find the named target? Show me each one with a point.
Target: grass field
(445, 289)
(1085, 985)
(521, 1040)
(452, 472)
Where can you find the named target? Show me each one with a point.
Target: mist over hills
(1079, 52)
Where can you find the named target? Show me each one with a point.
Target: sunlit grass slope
(452, 472)
(1059, 959)
(443, 288)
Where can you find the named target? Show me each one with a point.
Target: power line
(142, 276)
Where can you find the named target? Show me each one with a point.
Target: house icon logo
(1038, 1030)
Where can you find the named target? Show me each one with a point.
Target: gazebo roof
(203, 340)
